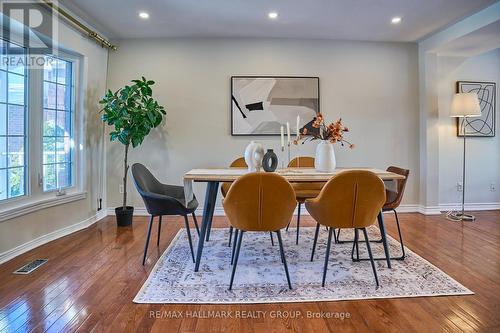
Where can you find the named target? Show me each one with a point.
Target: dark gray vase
(270, 161)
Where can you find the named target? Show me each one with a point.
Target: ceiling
(368, 20)
(474, 43)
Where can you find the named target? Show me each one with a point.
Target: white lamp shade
(465, 105)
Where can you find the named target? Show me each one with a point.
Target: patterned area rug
(260, 276)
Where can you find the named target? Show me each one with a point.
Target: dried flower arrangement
(333, 133)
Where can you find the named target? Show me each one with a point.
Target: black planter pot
(124, 217)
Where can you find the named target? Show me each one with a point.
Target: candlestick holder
(289, 154)
(298, 154)
(282, 157)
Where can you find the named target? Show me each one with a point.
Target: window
(39, 129)
(13, 95)
(57, 123)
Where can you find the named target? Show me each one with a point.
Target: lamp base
(458, 216)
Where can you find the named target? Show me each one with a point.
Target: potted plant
(328, 135)
(132, 112)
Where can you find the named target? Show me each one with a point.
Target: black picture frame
(264, 76)
(488, 107)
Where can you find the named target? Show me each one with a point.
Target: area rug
(260, 276)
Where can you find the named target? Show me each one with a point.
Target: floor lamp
(464, 105)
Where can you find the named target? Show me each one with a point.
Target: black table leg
(208, 212)
(211, 216)
(209, 228)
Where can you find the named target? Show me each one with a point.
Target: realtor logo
(30, 24)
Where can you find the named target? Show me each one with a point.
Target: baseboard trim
(425, 210)
(429, 210)
(219, 210)
(30, 245)
(471, 206)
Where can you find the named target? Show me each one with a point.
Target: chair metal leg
(288, 226)
(159, 231)
(335, 239)
(354, 242)
(298, 224)
(147, 239)
(367, 241)
(236, 232)
(355, 245)
(315, 241)
(186, 222)
(387, 257)
(381, 225)
(230, 236)
(196, 224)
(342, 242)
(383, 240)
(283, 258)
(236, 255)
(272, 240)
(327, 256)
(403, 255)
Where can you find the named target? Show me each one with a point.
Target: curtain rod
(75, 22)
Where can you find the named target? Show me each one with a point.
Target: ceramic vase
(325, 157)
(270, 161)
(254, 154)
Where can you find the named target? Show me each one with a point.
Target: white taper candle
(298, 127)
(282, 130)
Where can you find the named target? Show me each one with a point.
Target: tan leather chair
(259, 201)
(237, 163)
(351, 199)
(303, 191)
(393, 200)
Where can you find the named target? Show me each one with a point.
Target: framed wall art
(261, 104)
(483, 126)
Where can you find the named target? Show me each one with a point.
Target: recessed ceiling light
(143, 15)
(396, 20)
(273, 15)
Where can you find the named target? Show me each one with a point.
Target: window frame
(35, 197)
(74, 147)
(14, 200)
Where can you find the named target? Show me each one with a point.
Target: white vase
(254, 153)
(325, 157)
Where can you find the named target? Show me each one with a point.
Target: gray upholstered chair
(162, 199)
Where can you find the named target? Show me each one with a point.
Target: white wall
(24, 232)
(428, 98)
(372, 86)
(483, 154)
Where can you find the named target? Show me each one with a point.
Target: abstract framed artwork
(261, 104)
(483, 126)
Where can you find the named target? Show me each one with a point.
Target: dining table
(214, 176)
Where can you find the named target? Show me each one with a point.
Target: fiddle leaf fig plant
(133, 113)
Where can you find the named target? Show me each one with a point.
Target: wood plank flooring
(92, 276)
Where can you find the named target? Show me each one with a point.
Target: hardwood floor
(92, 276)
